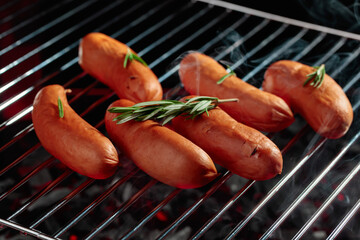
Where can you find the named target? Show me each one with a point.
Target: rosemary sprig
(316, 78)
(166, 110)
(61, 109)
(230, 72)
(132, 56)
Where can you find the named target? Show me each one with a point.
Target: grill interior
(316, 197)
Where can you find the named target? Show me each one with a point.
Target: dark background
(344, 15)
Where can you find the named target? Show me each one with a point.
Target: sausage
(160, 152)
(103, 58)
(326, 108)
(239, 148)
(258, 109)
(72, 140)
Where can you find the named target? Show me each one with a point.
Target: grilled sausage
(71, 139)
(160, 152)
(241, 149)
(326, 108)
(258, 109)
(103, 58)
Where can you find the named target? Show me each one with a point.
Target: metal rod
(196, 205)
(44, 28)
(28, 20)
(155, 210)
(328, 201)
(307, 190)
(27, 177)
(337, 230)
(33, 199)
(282, 19)
(216, 217)
(123, 207)
(309, 47)
(332, 51)
(25, 230)
(62, 202)
(95, 203)
(275, 54)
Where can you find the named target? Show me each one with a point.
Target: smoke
(333, 13)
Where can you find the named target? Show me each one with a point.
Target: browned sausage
(71, 139)
(326, 108)
(241, 149)
(103, 58)
(264, 111)
(160, 152)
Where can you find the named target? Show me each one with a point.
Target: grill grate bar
(208, 45)
(48, 188)
(350, 58)
(265, 42)
(275, 54)
(308, 48)
(337, 230)
(196, 205)
(189, 39)
(67, 49)
(27, 177)
(216, 217)
(332, 51)
(95, 203)
(328, 201)
(42, 29)
(308, 189)
(131, 232)
(29, 20)
(172, 33)
(282, 19)
(64, 201)
(121, 209)
(25, 230)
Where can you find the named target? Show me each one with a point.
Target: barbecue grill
(316, 197)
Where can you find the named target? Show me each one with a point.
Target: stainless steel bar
(62, 202)
(174, 31)
(75, 44)
(195, 206)
(351, 57)
(33, 199)
(44, 28)
(242, 39)
(207, 45)
(263, 43)
(332, 51)
(308, 48)
(307, 190)
(121, 209)
(327, 202)
(338, 229)
(28, 20)
(55, 39)
(131, 232)
(275, 54)
(25, 230)
(27, 177)
(188, 39)
(282, 19)
(95, 203)
(216, 217)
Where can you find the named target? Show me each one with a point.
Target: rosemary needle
(132, 56)
(61, 109)
(230, 72)
(166, 110)
(316, 78)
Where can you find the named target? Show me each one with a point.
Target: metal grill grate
(317, 195)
